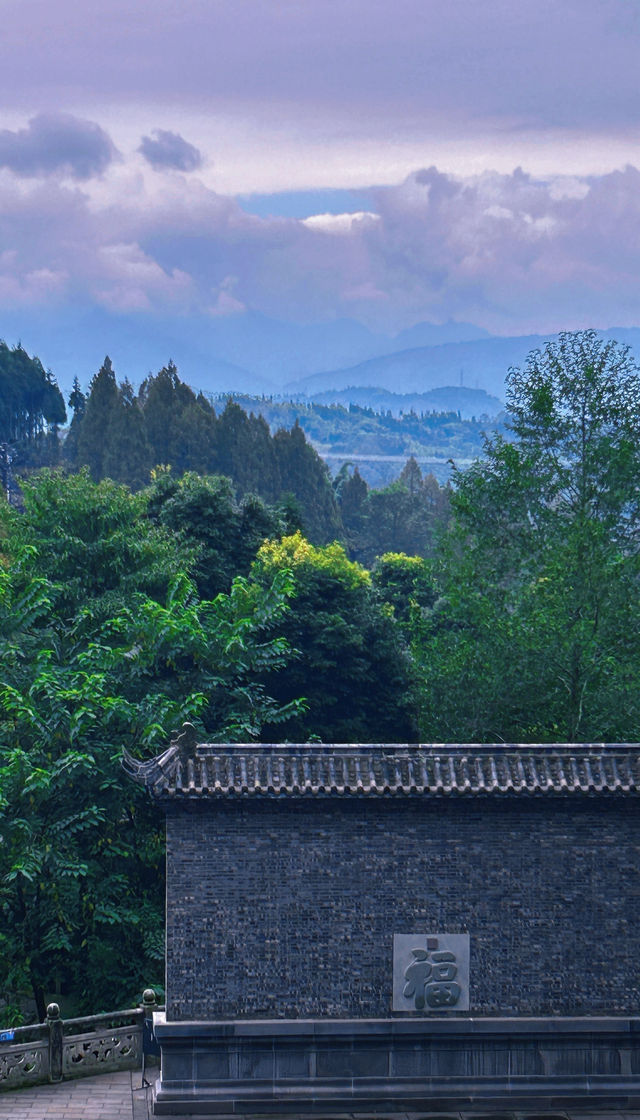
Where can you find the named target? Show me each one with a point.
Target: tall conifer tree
(304, 475)
(94, 431)
(127, 454)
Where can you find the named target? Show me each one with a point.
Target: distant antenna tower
(461, 378)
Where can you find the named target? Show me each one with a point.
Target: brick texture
(287, 908)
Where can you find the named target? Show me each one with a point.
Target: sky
(317, 160)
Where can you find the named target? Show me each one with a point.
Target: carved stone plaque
(431, 972)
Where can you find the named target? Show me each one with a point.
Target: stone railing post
(54, 1022)
(149, 1003)
(150, 1047)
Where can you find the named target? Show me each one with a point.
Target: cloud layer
(537, 61)
(356, 88)
(511, 253)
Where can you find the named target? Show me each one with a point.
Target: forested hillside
(354, 429)
(166, 421)
(122, 435)
(125, 610)
(468, 403)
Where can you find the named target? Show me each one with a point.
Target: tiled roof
(192, 770)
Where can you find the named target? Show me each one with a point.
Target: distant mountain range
(247, 353)
(253, 354)
(470, 403)
(479, 364)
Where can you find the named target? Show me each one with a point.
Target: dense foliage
(31, 406)
(504, 609)
(353, 429)
(348, 649)
(536, 634)
(105, 643)
(406, 516)
(125, 436)
(120, 435)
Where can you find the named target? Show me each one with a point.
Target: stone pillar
(55, 1042)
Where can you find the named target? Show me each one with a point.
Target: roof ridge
(189, 769)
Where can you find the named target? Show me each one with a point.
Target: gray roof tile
(191, 770)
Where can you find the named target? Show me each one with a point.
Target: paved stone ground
(118, 1096)
(109, 1096)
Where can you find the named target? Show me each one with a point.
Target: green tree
(403, 517)
(353, 667)
(31, 407)
(195, 438)
(77, 403)
(127, 454)
(94, 542)
(224, 534)
(351, 492)
(535, 635)
(306, 477)
(81, 855)
(94, 428)
(162, 402)
(177, 424)
(406, 584)
(246, 453)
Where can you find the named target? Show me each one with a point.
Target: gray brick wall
(288, 908)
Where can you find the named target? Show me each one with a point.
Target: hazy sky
(478, 160)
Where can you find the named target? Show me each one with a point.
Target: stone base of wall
(322, 1066)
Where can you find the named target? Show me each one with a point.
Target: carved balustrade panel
(24, 1064)
(111, 1049)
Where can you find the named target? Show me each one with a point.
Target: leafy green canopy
(536, 635)
(405, 516)
(352, 664)
(94, 542)
(406, 584)
(31, 404)
(105, 643)
(121, 436)
(223, 533)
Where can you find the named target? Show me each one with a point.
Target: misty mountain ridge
(479, 364)
(469, 403)
(246, 352)
(251, 353)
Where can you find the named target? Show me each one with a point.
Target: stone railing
(59, 1049)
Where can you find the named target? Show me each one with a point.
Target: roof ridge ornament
(185, 740)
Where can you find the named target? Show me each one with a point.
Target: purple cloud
(57, 143)
(511, 253)
(359, 65)
(170, 150)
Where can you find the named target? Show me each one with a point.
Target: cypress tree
(94, 429)
(31, 405)
(304, 475)
(352, 497)
(77, 403)
(127, 454)
(163, 399)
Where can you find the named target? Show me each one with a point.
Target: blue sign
(7, 1036)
